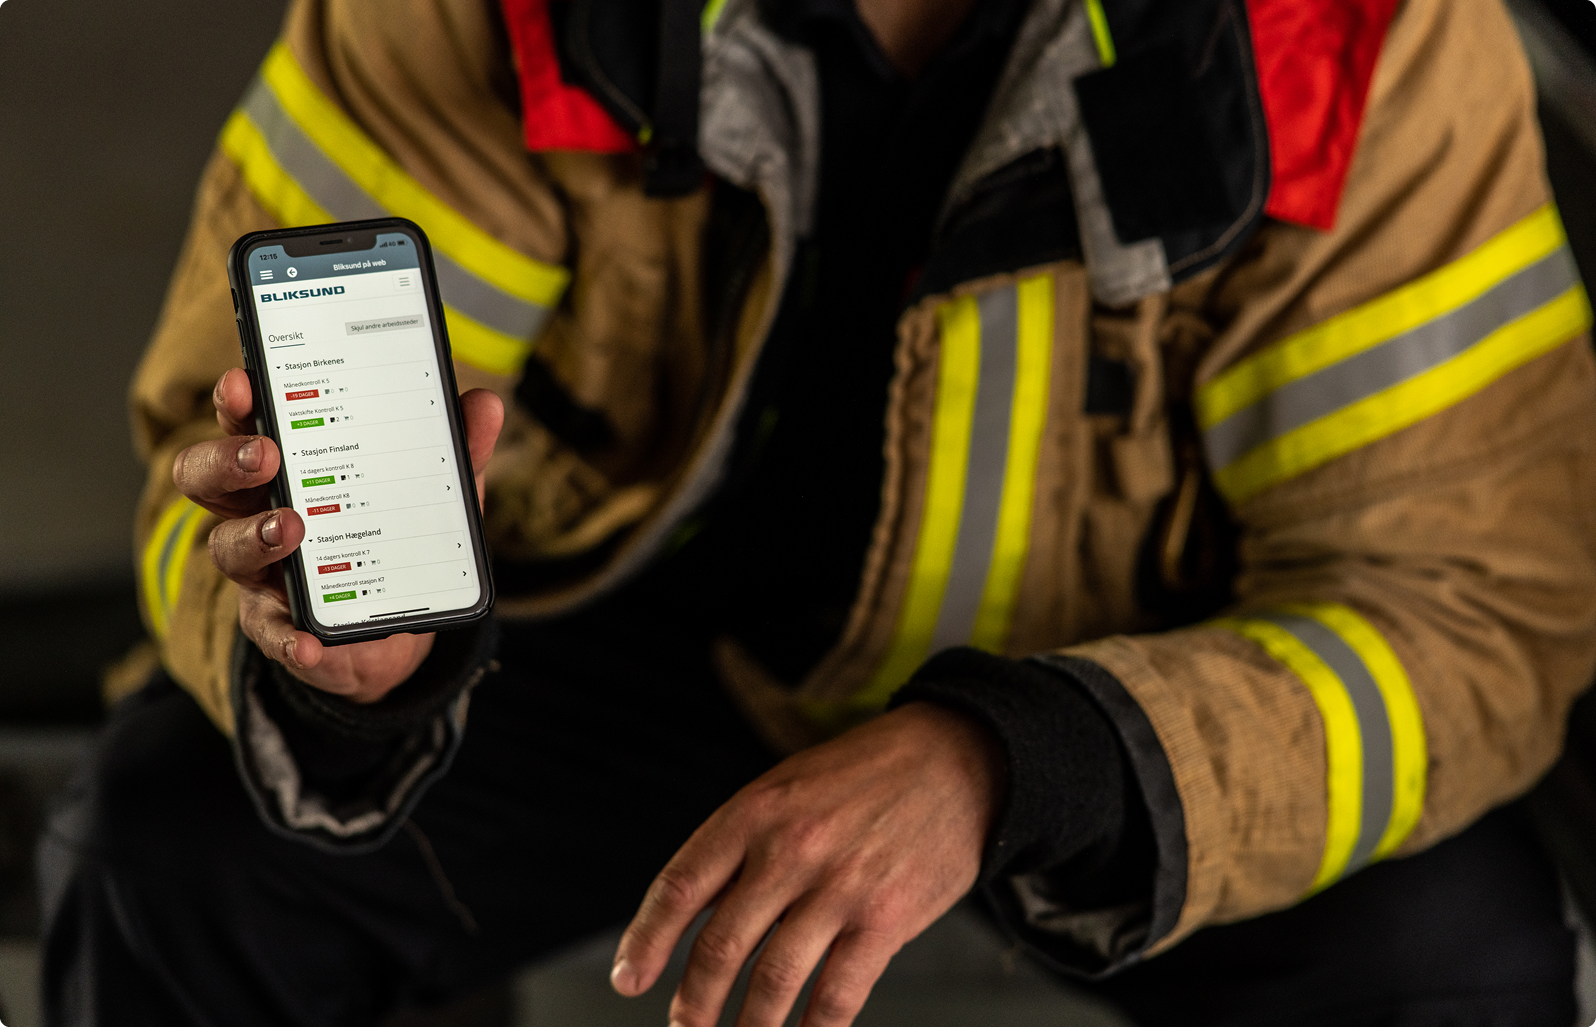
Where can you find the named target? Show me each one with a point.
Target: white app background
(365, 439)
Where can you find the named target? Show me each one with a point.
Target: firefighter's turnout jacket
(1315, 239)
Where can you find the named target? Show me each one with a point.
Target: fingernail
(249, 455)
(290, 647)
(623, 978)
(271, 530)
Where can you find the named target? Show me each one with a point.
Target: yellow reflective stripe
(165, 557)
(1409, 402)
(284, 199)
(386, 182)
(307, 163)
(958, 373)
(1393, 361)
(482, 347)
(1372, 323)
(711, 15)
(1027, 418)
(275, 188)
(1343, 740)
(1100, 33)
(1376, 753)
(181, 547)
(1409, 750)
(151, 565)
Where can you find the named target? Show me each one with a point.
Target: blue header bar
(271, 265)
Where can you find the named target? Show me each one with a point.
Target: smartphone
(348, 355)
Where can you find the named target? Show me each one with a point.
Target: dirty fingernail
(623, 978)
(271, 530)
(249, 455)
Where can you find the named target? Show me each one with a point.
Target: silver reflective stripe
(1380, 367)
(315, 172)
(983, 478)
(336, 193)
(168, 550)
(1374, 727)
(486, 304)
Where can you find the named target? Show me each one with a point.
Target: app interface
(353, 375)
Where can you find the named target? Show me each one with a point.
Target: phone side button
(235, 299)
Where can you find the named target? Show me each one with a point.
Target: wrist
(973, 750)
(447, 662)
(365, 672)
(1064, 792)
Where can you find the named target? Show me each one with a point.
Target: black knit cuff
(344, 776)
(1067, 793)
(433, 686)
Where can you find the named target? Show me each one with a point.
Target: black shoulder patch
(1177, 128)
(1019, 216)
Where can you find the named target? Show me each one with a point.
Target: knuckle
(881, 934)
(879, 916)
(264, 620)
(687, 1014)
(221, 545)
(808, 841)
(189, 468)
(779, 973)
(230, 541)
(716, 950)
(834, 1004)
(676, 888)
(195, 470)
(760, 800)
(255, 621)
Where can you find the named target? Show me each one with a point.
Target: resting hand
(848, 849)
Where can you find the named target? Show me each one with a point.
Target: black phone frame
(249, 335)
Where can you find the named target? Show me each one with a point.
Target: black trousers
(586, 765)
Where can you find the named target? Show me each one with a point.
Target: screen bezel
(295, 579)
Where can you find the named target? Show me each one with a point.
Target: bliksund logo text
(301, 294)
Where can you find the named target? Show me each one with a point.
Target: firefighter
(1130, 460)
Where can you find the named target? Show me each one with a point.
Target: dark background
(108, 110)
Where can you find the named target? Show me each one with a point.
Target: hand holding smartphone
(247, 479)
(346, 346)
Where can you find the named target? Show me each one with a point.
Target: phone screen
(352, 374)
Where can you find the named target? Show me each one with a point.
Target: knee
(159, 791)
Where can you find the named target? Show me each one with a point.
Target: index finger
(484, 418)
(689, 883)
(234, 402)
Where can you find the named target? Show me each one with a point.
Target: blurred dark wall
(1579, 16)
(107, 112)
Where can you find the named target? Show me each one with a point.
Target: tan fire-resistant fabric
(1465, 539)
(623, 343)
